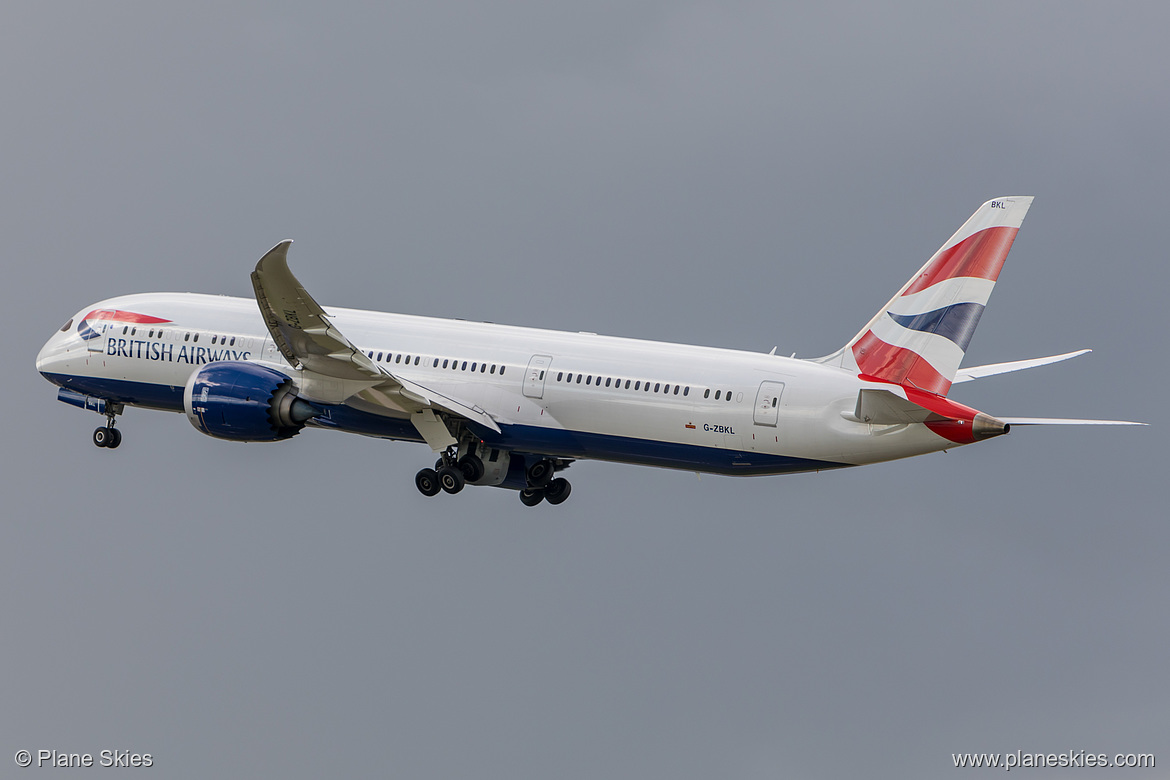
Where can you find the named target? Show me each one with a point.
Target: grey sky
(733, 174)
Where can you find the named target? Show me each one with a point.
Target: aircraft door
(768, 403)
(535, 375)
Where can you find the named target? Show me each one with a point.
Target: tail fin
(918, 339)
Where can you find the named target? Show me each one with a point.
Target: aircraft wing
(305, 336)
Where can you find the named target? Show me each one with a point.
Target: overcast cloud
(735, 174)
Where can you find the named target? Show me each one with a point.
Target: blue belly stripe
(518, 438)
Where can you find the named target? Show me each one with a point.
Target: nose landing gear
(108, 436)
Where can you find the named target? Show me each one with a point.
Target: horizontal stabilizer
(978, 372)
(1062, 421)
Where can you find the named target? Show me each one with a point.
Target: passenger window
(687, 390)
(627, 384)
(125, 329)
(607, 381)
(133, 331)
(473, 368)
(493, 368)
(502, 370)
(416, 359)
(655, 387)
(774, 402)
(542, 376)
(436, 365)
(398, 359)
(379, 358)
(589, 379)
(676, 389)
(637, 385)
(579, 378)
(482, 367)
(196, 339)
(212, 338)
(717, 394)
(232, 344)
(728, 396)
(560, 375)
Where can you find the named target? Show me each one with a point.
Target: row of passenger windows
(665, 388)
(636, 384)
(569, 378)
(482, 368)
(454, 365)
(127, 330)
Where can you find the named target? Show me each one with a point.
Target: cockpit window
(67, 325)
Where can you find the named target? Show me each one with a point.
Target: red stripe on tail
(879, 360)
(980, 256)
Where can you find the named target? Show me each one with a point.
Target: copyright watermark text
(62, 759)
(1067, 759)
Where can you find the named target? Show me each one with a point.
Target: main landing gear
(107, 436)
(555, 492)
(449, 474)
(543, 487)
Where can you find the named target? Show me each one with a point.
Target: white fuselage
(628, 400)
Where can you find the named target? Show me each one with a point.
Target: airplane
(513, 407)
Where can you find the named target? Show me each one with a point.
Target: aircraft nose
(52, 355)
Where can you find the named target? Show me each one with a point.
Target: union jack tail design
(918, 339)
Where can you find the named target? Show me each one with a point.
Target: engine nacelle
(244, 402)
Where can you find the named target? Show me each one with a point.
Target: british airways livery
(513, 407)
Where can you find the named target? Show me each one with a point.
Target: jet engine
(245, 402)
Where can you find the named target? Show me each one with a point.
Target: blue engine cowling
(244, 402)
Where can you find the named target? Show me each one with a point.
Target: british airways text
(153, 350)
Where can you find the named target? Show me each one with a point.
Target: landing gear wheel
(115, 438)
(451, 479)
(472, 467)
(540, 473)
(101, 437)
(427, 482)
(531, 496)
(558, 490)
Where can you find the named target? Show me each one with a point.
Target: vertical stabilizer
(918, 339)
